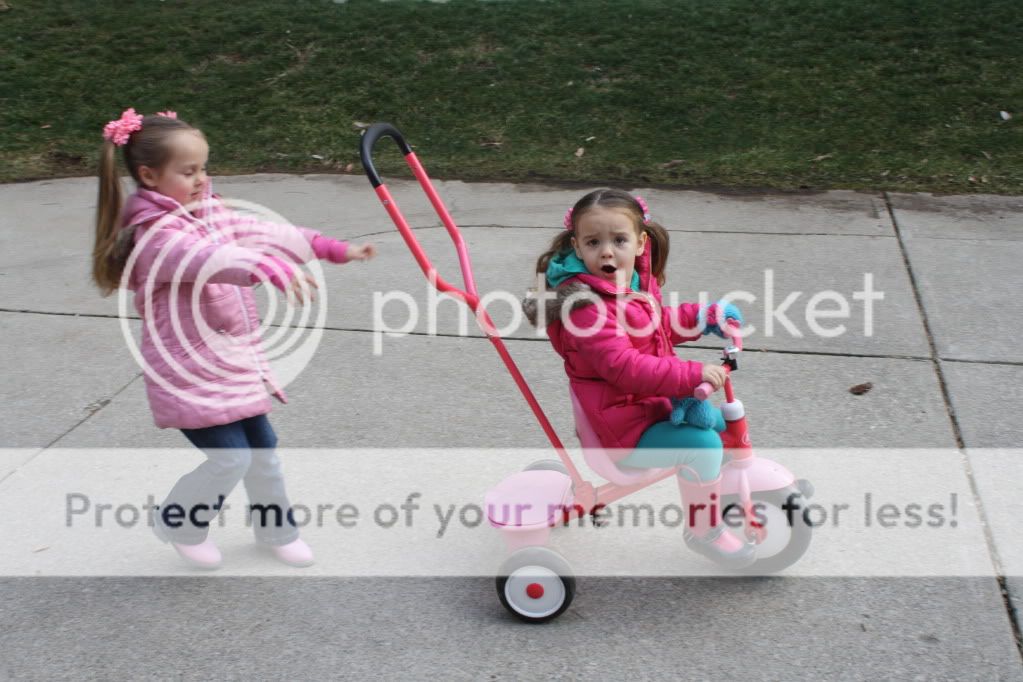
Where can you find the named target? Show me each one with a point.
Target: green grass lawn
(870, 94)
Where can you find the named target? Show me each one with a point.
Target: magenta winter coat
(203, 359)
(624, 381)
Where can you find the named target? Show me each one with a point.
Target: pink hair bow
(568, 219)
(167, 114)
(643, 207)
(119, 130)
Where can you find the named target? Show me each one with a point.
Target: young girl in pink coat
(605, 319)
(192, 264)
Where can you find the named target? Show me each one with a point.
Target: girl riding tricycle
(641, 413)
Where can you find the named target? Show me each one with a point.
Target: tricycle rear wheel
(536, 584)
(785, 543)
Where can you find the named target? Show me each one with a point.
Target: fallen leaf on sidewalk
(579, 152)
(860, 389)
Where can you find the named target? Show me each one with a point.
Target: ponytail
(108, 259)
(657, 240)
(143, 140)
(559, 245)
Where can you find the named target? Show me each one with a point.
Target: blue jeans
(239, 451)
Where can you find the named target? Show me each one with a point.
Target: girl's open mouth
(609, 269)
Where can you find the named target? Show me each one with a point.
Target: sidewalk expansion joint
(1000, 363)
(697, 346)
(15, 469)
(99, 406)
(58, 313)
(480, 336)
(679, 230)
(392, 231)
(685, 231)
(996, 560)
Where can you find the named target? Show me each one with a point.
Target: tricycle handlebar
(369, 140)
(733, 346)
(469, 295)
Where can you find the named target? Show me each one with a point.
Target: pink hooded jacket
(201, 352)
(624, 378)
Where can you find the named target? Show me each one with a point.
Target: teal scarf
(567, 264)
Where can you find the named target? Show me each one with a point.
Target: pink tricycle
(536, 583)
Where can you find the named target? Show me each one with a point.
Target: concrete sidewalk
(942, 379)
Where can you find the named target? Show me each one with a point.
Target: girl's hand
(303, 287)
(715, 375)
(361, 251)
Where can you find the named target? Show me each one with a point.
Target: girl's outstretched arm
(282, 240)
(292, 242)
(168, 254)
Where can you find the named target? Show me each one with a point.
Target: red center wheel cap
(534, 590)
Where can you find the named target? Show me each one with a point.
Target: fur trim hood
(554, 304)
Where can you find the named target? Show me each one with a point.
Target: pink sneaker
(296, 553)
(722, 548)
(205, 555)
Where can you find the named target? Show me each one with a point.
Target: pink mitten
(329, 249)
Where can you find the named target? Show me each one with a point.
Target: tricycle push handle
(369, 140)
(469, 295)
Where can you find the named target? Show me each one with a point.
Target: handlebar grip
(369, 140)
(703, 391)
